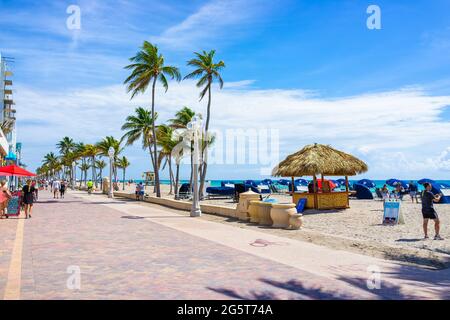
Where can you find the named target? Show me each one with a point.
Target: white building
(8, 113)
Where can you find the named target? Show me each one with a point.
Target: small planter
(295, 221)
(243, 207)
(264, 217)
(253, 211)
(281, 214)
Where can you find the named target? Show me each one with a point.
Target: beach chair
(220, 192)
(241, 187)
(185, 191)
(379, 194)
(275, 190)
(301, 204)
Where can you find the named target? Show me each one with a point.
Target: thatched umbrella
(320, 159)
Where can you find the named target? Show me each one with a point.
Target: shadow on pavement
(425, 281)
(295, 287)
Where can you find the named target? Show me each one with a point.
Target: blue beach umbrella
(367, 182)
(301, 182)
(425, 180)
(283, 182)
(394, 182)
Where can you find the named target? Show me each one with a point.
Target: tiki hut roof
(316, 159)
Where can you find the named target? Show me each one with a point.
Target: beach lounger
(264, 188)
(185, 191)
(220, 192)
(275, 190)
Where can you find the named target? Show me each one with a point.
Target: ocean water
(379, 183)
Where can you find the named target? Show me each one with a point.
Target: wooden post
(315, 191)
(293, 188)
(322, 181)
(346, 191)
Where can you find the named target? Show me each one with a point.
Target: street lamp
(73, 175)
(111, 159)
(194, 127)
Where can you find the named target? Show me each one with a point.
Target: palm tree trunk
(153, 162)
(123, 184)
(155, 154)
(176, 181)
(170, 175)
(204, 164)
(93, 171)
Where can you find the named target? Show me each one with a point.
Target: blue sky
(310, 69)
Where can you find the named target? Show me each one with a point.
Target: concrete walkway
(92, 247)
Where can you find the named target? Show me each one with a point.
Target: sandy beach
(360, 229)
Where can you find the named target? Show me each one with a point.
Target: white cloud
(398, 132)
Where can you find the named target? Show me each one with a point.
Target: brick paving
(130, 257)
(7, 236)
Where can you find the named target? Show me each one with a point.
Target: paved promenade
(91, 247)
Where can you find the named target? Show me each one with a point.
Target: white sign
(392, 213)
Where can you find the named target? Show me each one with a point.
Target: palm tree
(51, 161)
(91, 151)
(123, 163)
(165, 139)
(68, 159)
(79, 150)
(66, 145)
(208, 71)
(84, 169)
(100, 165)
(181, 120)
(148, 68)
(140, 126)
(103, 147)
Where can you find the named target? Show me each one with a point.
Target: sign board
(392, 213)
(13, 206)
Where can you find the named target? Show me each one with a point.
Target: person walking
(90, 186)
(385, 192)
(139, 191)
(428, 211)
(5, 195)
(413, 191)
(28, 198)
(36, 190)
(56, 185)
(62, 189)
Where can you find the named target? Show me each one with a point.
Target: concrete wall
(183, 205)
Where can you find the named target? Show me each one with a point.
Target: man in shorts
(413, 191)
(56, 185)
(428, 211)
(139, 191)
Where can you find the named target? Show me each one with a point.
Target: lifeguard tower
(149, 178)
